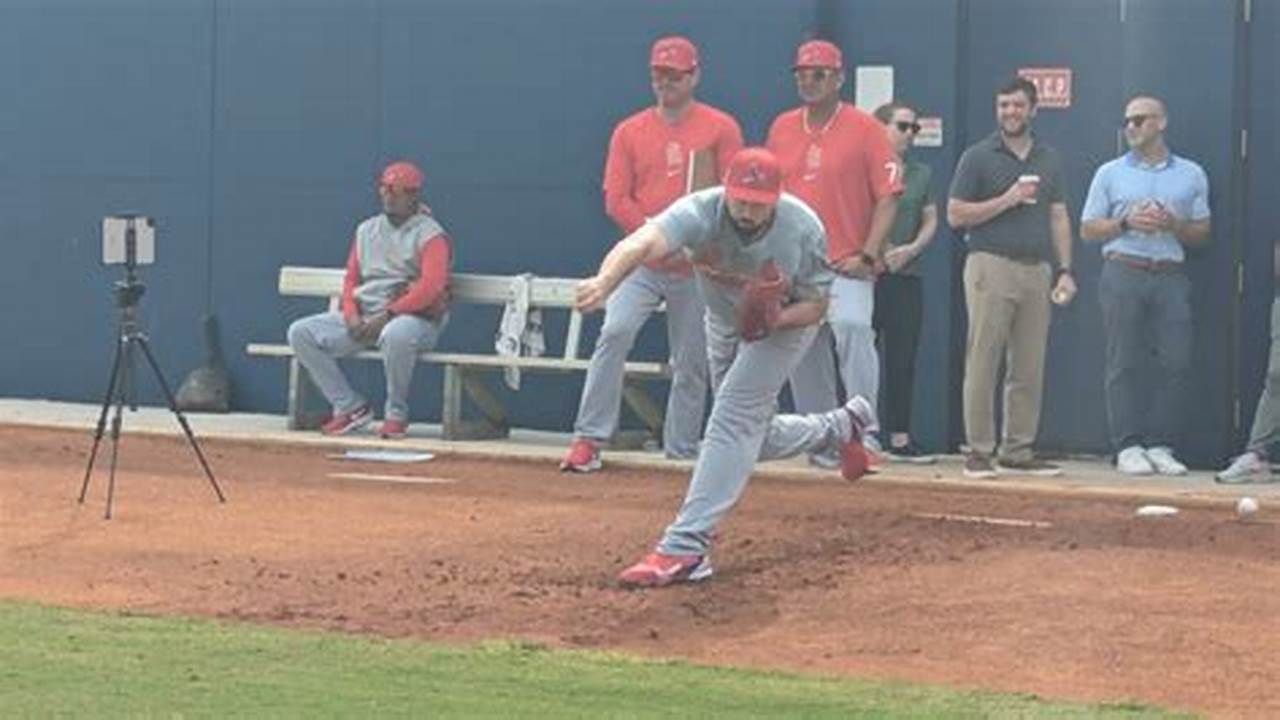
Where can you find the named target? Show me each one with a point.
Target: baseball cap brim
(754, 195)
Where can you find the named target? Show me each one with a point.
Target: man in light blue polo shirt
(1146, 207)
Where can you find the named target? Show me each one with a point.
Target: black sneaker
(978, 466)
(1032, 466)
(909, 453)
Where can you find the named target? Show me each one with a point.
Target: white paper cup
(1034, 181)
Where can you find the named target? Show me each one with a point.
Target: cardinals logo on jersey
(812, 162)
(675, 158)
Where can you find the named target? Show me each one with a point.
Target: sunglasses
(904, 126)
(668, 74)
(1136, 120)
(813, 74)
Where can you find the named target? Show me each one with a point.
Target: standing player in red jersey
(656, 156)
(837, 159)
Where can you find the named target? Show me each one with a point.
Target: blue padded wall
(252, 130)
(918, 38)
(106, 110)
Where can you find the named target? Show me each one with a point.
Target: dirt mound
(1077, 599)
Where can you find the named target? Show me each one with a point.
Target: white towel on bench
(520, 332)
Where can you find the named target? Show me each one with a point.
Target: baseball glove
(761, 302)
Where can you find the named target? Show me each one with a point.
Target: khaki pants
(1008, 303)
(1266, 420)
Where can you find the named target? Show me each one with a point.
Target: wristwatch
(1057, 274)
(1124, 224)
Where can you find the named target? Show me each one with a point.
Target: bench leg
(451, 412)
(495, 415)
(649, 412)
(460, 384)
(300, 389)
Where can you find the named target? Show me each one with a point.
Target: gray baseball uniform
(746, 377)
(388, 258)
(631, 304)
(648, 167)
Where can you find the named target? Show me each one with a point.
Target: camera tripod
(120, 387)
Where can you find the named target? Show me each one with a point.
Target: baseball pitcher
(760, 261)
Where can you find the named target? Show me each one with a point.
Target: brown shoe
(1032, 466)
(978, 466)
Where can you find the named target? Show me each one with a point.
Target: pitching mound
(1064, 598)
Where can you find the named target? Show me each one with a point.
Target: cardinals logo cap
(818, 54)
(402, 175)
(754, 175)
(674, 52)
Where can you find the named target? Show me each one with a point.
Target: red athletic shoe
(346, 422)
(855, 461)
(659, 570)
(394, 429)
(583, 457)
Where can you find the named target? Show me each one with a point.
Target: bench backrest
(464, 288)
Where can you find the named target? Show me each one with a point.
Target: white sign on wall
(930, 134)
(1053, 85)
(873, 86)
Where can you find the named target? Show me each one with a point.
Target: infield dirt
(811, 575)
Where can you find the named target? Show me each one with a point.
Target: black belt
(1143, 263)
(1020, 259)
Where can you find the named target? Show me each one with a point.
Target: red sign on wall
(1052, 84)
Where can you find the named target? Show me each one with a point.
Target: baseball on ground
(1246, 506)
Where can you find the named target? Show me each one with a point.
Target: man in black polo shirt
(1008, 196)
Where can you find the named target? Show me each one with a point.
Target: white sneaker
(1247, 468)
(1161, 458)
(1133, 461)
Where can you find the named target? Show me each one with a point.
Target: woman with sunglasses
(899, 301)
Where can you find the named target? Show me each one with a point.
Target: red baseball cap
(674, 52)
(402, 175)
(754, 175)
(818, 54)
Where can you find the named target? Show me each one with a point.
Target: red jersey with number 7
(840, 170)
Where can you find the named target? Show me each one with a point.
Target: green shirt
(911, 203)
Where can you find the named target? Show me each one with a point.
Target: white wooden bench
(463, 371)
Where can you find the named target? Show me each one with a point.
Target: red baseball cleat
(583, 457)
(346, 422)
(394, 429)
(659, 570)
(854, 460)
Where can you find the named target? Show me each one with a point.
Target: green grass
(67, 663)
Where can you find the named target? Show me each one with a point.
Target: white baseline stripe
(406, 479)
(983, 520)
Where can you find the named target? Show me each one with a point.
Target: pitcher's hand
(591, 294)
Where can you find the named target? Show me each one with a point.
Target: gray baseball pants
(318, 340)
(849, 314)
(744, 427)
(630, 305)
